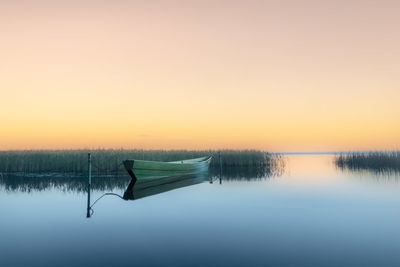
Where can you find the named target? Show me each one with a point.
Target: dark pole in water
(89, 182)
(220, 168)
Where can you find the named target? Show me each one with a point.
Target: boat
(149, 171)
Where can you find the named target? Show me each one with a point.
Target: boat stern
(128, 164)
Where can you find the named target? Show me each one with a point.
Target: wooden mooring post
(220, 168)
(89, 183)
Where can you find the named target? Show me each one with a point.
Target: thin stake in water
(89, 182)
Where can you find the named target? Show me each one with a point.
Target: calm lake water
(311, 215)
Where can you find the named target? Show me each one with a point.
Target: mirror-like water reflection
(39, 182)
(310, 214)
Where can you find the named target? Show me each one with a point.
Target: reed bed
(373, 161)
(109, 161)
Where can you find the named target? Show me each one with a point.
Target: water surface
(313, 214)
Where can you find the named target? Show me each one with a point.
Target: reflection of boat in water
(146, 188)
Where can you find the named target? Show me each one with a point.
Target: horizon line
(264, 151)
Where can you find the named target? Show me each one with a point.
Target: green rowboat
(144, 170)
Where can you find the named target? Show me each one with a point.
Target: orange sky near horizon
(269, 75)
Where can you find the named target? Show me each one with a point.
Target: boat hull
(144, 170)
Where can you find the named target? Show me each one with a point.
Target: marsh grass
(373, 161)
(108, 161)
(67, 170)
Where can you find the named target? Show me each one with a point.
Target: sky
(268, 75)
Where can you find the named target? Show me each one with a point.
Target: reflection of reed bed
(249, 173)
(109, 161)
(63, 183)
(379, 176)
(100, 183)
(377, 162)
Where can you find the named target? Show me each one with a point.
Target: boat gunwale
(179, 162)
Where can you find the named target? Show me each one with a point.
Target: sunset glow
(276, 76)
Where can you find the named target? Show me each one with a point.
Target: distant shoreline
(332, 152)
